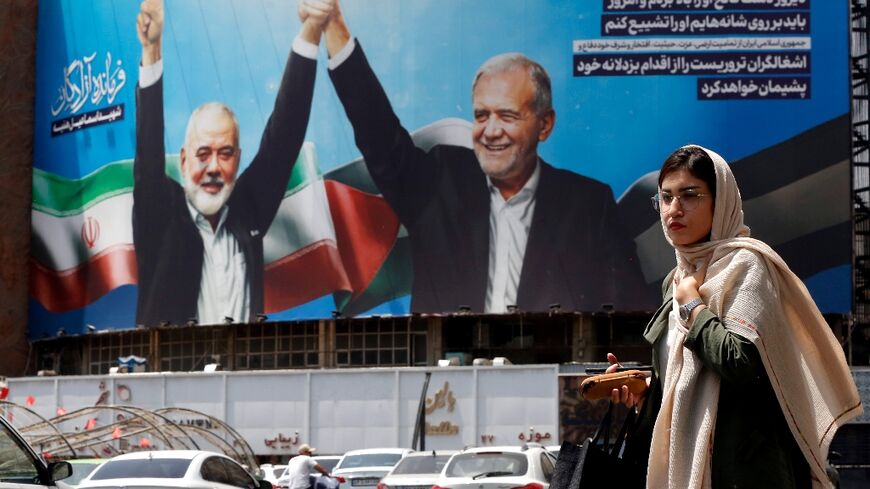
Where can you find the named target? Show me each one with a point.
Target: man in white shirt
(199, 245)
(300, 467)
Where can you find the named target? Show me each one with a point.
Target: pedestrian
(300, 468)
(750, 384)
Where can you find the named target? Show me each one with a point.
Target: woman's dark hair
(694, 160)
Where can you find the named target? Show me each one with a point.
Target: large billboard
(346, 208)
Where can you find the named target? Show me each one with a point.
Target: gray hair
(501, 63)
(204, 109)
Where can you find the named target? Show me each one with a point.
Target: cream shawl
(756, 295)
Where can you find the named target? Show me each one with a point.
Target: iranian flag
(333, 233)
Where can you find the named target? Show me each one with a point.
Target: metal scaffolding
(860, 79)
(104, 431)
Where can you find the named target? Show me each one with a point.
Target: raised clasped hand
(149, 22)
(319, 11)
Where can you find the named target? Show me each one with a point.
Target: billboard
(322, 217)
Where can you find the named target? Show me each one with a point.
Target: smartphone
(601, 370)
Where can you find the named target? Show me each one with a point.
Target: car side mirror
(59, 470)
(264, 484)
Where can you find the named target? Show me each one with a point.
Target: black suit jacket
(169, 249)
(576, 253)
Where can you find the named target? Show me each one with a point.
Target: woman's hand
(623, 395)
(687, 287)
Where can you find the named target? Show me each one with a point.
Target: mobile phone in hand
(601, 370)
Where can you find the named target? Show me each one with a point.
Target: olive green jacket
(752, 444)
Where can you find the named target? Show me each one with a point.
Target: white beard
(207, 204)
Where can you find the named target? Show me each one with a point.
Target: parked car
(418, 470)
(272, 473)
(328, 462)
(359, 469)
(81, 468)
(20, 466)
(172, 468)
(527, 467)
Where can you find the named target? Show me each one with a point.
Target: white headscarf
(754, 293)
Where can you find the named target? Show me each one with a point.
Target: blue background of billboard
(425, 52)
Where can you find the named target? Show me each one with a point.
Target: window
(213, 470)
(327, 463)
(379, 342)
(476, 464)
(421, 464)
(237, 475)
(16, 464)
(191, 348)
(80, 470)
(547, 466)
(369, 460)
(158, 468)
(276, 346)
(104, 349)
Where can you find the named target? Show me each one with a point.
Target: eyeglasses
(689, 200)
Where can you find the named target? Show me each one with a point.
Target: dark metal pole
(420, 426)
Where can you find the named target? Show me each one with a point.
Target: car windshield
(278, 471)
(478, 464)
(369, 460)
(80, 470)
(159, 468)
(421, 465)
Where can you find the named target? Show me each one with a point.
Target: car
(418, 470)
(81, 468)
(272, 473)
(328, 462)
(172, 468)
(529, 466)
(359, 469)
(20, 466)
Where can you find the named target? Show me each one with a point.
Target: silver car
(418, 470)
(192, 469)
(529, 466)
(361, 469)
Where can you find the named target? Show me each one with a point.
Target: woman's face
(686, 207)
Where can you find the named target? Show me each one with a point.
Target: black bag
(598, 463)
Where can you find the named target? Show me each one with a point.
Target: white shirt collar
(530, 187)
(202, 222)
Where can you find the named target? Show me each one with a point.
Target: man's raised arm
(149, 28)
(149, 166)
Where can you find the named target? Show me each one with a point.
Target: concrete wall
(333, 410)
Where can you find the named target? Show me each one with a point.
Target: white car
(172, 469)
(328, 462)
(21, 467)
(360, 469)
(272, 473)
(530, 466)
(418, 470)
